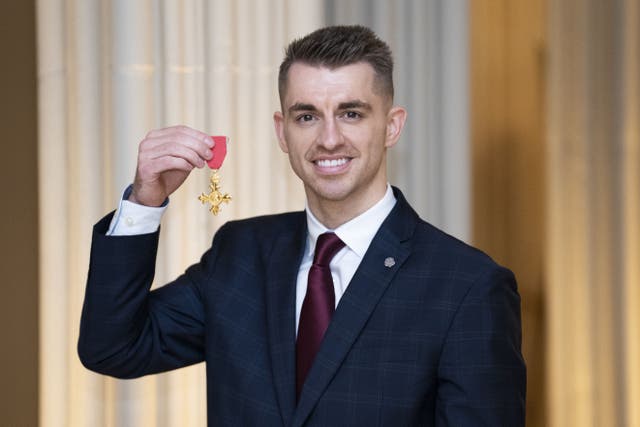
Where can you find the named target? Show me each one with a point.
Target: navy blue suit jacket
(433, 340)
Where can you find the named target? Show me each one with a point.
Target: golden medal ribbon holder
(216, 197)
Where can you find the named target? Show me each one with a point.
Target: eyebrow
(354, 105)
(299, 106)
(347, 105)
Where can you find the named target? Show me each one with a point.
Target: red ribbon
(219, 151)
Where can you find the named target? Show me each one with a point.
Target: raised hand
(165, 159)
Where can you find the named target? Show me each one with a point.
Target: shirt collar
(358, 232)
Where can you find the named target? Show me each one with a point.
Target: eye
(304, 118)
(352, 115)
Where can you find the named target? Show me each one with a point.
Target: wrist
(131, 195)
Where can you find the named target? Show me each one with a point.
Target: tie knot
(327, 246)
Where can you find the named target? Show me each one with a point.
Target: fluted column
(594, 206)
(109, 71)
(631, 206)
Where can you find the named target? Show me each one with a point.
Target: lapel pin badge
(389, 262)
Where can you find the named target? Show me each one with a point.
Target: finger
(195, 144)
(169, 163)
(184, 130)
(171, 149)
(151, 171)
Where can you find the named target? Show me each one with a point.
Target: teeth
(331, 163)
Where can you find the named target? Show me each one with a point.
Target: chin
(331, 194)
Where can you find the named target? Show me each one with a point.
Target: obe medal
(215, 197)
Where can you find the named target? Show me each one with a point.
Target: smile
(332, 163)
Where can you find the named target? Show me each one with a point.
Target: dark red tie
(317, 307)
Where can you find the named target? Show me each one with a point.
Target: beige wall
(18, 217)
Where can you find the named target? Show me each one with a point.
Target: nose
(330, 136)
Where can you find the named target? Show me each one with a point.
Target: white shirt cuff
(132, 219)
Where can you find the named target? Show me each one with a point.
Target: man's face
(336, 128)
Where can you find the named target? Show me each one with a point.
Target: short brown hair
(337, 46)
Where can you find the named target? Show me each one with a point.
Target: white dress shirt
(357, 234)
(131, 218)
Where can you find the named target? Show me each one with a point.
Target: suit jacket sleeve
(482, 374)
(128, 331)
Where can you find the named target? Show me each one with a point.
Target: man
(426, 330)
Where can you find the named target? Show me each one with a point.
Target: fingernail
(209, 141)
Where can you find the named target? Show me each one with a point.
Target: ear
(278, 124)
(395, 123)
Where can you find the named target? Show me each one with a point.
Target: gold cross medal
(215, 197)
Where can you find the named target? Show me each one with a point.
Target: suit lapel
(373, 276)
(281, 272)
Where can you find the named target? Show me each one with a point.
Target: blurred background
(523, 139)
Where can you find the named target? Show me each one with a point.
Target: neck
(334, 213)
